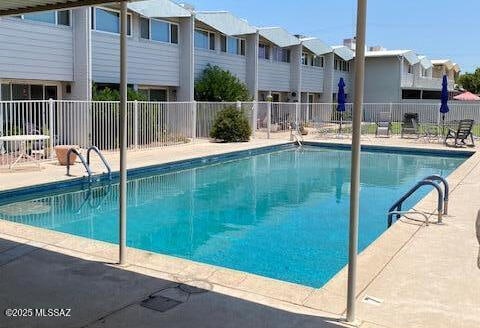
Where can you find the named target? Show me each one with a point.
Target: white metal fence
(159, 124)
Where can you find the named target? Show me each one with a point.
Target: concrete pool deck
(424, 276)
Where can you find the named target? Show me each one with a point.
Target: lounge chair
(384, 124)
(463, 131)
(410, 125)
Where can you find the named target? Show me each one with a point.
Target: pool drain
(160, 303)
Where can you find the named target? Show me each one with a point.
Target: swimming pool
(277, 212)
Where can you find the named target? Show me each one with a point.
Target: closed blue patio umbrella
(444, 106)
(341, 101)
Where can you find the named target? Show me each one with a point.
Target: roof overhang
(425, 62)
(409, 55)
(443, 62)
(16, 7)
(225, 23)
(343, 52)
(279, 36)
(317, 46)
(158, 9)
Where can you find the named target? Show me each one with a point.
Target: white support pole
(135, 124)
(356, 149)
(51, 128)
(123, 135)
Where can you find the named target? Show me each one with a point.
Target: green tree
(217, 84)
(470, 81)
(231, 125)
(107, 94)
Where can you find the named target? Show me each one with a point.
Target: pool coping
(329, 298)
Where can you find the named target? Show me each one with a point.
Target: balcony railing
(424, 82)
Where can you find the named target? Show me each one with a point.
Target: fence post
(51, 128)
(254, 117)
(193, 106)
(135, 124)
(2, 148)
(269, 115)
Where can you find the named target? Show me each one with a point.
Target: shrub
(231, 125)
(217, 84)
(107, 94)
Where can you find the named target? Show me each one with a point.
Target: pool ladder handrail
(102, 158)
(442, 204)
(86, 163)
(297, 135)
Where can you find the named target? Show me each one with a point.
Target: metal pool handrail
(99, 153)
(82, 159)
(446, 187)
(397, 207)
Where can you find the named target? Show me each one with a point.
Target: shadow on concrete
(103, 295)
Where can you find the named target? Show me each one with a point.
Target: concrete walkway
(422, 276)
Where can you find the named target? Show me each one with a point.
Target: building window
(304, 58)
(107, 20)
(410, 69)
(12, 91)
(318, 61)
(341, 65)
(155, 94)
(281, 55)
(157, 30)
(411, 94)
(144, 28)
(160, 31)
(263, 51)
(433, 95)
(232, 45)
(52, 17)
(204, 40)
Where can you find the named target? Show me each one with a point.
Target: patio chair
(410, 125)
(463, 131)
(384, 124)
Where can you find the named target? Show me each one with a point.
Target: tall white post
(356, 149)
(122, 118)
(51, 127)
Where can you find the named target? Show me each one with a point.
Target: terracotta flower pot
(61, 152)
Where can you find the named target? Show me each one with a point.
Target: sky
(439, 29)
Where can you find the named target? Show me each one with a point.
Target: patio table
(22, 140)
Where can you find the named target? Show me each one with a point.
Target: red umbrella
(467, 96)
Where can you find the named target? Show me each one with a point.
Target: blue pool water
(281, 214)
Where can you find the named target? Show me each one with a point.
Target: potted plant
(62, 150)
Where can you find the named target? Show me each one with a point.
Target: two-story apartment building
(61, 54)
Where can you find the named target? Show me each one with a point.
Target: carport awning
(159, 9)
(16, 7)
